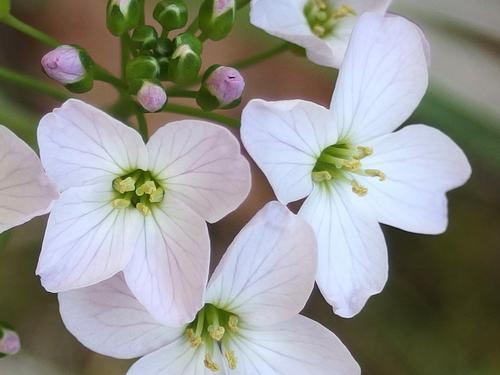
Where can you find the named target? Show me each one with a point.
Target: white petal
(285, 139)
(296, 347)
(382, 79)
(86, 240)
(169, 269)
(178, 358)
(25, 190)
(201, 164)
(107, 319)
(81, 145)
(352, 250)
(267, 274)
(421, 164)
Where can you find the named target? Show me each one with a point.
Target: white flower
(249, 325)
(141, 209)
(25, 189)
(322, 27)
(354, 171)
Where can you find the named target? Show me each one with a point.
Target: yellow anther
(343, 11)
(216, 332)
(143, 209)
(351, 165)
(210, 363)
(124, 186)
(321, 176)
(358, 189)
(363, 152)
(320, 4)
(233, 323)
(231, 359)
(148, 188)
(375, 173)
(157, 196)
(120, 203)
(319, 30)
(193, 339)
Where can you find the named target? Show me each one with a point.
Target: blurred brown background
(439, 313)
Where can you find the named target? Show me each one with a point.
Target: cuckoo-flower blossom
(354, 171)
(322, 27)
(135, 207)
(25, 189)
(249, 325)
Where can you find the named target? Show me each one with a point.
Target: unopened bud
(222, 87)
(152, 97)
(122, 15)
(10, 343)
(217, 18)
(144, 37)
(70, 66)
(185, 61)
(140, 69)
(171, 14)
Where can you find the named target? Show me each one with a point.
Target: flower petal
(382, 79)
(169, 269)
(202, 165)
(285, 139)
(420, 165)
(25, 189)
(107, 319)
(352, 250)
(81, 145)
(178, 358)
(295, 347)
(86, 240)
(267, 274)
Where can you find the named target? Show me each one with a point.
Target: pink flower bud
(10, 343)
(226, 84)
(152, 97)
(64, 65)
(222, 6)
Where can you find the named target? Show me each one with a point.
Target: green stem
(181, 93)
(103, 75)
(31, 83)
(242, 3)
(124, 55)
(143, 125)
(195, 112)
(24, 28)
(259, 57)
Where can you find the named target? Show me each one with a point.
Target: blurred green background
(439, 313)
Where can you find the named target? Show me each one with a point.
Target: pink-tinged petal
(267, 274)
(107, 319)
(82, 145)
(382, 79)
(169, 269)
(352, 252)
(295, 347)
(200, 164)
(420, 165)
(285, 139)
(25, 190)
(86, 240)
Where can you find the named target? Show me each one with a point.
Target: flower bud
(222, 87)
(142, 67)
(171, 14)
(185, 61)
(152, 96)
(4, 8)
(122, 15)
(217, 18)
(144, 37)
(70, 66)
(10, 343)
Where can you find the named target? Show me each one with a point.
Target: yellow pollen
(157, 196)
(358, 189)
(193, 339)
(216, 332)
(233, 323)
(344, 11)
(148, 188)
(363, 152)
(351, 165)
(124, 186)
(320, 4)
(319, 30)
(231, 359)
(321, 176)
(210, 363)
(120, 203)
(143, 209)
(375, 173)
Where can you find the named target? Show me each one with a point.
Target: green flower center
(323, 16)
(340, 162)
(213, 328)
(137, 189)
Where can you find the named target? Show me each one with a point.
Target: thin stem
(143, 125)
(195, 112)
(242, 3)
(124, 54)
(259, 57)
(103, 75)
(31, 83)
(24, 28)
(181, 93)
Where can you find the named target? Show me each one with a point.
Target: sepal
(186, 59)
(216, 18)
(171, 14)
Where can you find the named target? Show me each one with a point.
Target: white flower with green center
(322, 27)
(249, 324)
(137, 208)
(354, 172)
(25, 189)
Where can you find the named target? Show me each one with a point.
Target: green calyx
(171, 14)
(122, 15)
(144, 37)
(322, 16)
(217, 18)
(185, 62)
(86, 83)
(138, 189)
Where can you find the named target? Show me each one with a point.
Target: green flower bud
(122, 15)
(144, 37)
(222, 87)
(217, 18)
(164, 65)
(171, 14)
(4, 8)
(185, 60)
(142, 67)
(164, 47)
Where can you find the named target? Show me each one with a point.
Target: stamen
(148, 188)
(157, 196)
(124, 186)
(120, 203)
(323, 17)
(363, 152)
(321, 176)
(216, 332)
(375, 173)
(210, 363)
(233, 323)
(358, 189)
(193, 339)
(351, 165)
(143, 209)
(231, 359)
